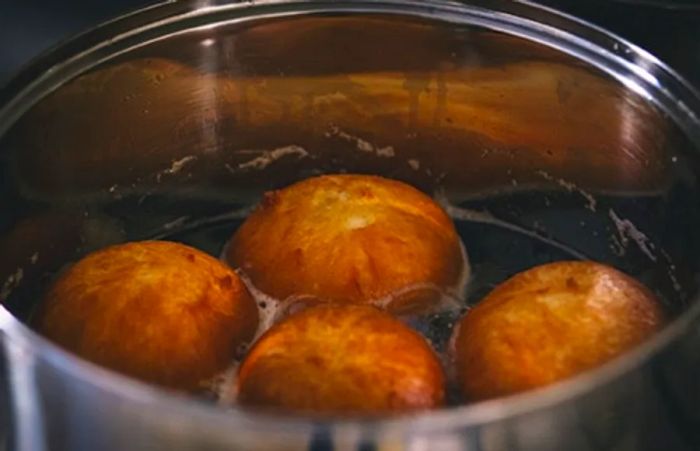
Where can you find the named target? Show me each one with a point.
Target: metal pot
(175, 116)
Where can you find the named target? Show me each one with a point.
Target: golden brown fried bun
(162, 312)
(349, 239)
(341, 360)
(548, 323)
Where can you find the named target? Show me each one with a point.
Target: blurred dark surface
(669, 29)
(671, 33)
(29, 27)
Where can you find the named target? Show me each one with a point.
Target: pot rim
(635, 68)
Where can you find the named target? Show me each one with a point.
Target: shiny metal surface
(194, 104)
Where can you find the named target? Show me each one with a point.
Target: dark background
(28, 27)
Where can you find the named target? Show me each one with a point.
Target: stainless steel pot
(175, 116)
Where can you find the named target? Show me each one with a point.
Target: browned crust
(548, 323)
(163, 312)
(342, 359)
(348, 239)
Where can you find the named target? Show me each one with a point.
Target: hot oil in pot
(495, 251)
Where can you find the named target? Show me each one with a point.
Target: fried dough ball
(350, 239)
(548, 323)
(341, 359)
(159, 311)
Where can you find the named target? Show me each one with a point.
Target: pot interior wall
(536, 155)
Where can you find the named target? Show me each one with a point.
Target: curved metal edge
(624, 54)
(24, 422)
(63, 49)
(642, 63)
